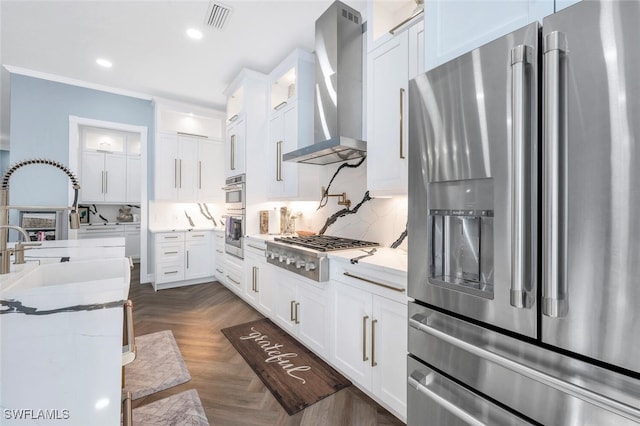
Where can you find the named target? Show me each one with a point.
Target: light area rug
(158, 365)
(183, 409)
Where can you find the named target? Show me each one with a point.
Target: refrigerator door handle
(554, 287)
(421, 323)
(521, 58)
(445, 403)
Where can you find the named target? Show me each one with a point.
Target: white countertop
(156, 230)
(61, 334)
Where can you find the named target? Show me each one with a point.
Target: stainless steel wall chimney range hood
(338, 90)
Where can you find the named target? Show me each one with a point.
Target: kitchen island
(61, 327)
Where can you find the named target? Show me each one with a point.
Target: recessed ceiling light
(103, 63)
(194, 34)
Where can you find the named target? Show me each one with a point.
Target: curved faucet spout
(74, 217)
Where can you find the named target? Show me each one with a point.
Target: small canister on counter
(264, 221)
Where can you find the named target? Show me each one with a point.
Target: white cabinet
(235, 148)
(218, 254)
(132, 241)
(103, 177)
(110, 166)
(246, 115)
(182, 258)
(370, 334)
(197, 255)
(291, 127)
(176, 166)
(303, 308)
(233, 274)
(390, 66)
(211, 171)
(260, 287)
(455, 27)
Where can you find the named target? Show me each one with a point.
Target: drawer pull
(171, 272)
(170, 252)
(233, 281)
(219, 270)
(256, 247)
(219, 251)
(401, 290)
(173, 236)
(197, 235)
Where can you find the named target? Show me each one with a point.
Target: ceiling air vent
(217, 15)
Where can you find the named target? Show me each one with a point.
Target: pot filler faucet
(74, 217)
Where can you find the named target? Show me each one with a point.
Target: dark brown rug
(295, 376)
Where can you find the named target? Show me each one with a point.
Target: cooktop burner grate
(325, 242)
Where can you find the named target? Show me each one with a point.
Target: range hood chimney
(338, 90)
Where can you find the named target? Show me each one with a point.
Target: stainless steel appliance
(338, 95)
(307, 256)
(524, 245)
(235, 215)
(44, 225)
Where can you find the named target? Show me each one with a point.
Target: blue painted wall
(40, 111)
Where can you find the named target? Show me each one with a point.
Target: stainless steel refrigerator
(524, 248)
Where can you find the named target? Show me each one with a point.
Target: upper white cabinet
(291, 127)
(455, 27)
(390, 66)
(188, 153)
(108, 168)
(245, 120)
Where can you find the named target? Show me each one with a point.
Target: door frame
(74, 163)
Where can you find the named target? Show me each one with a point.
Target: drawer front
(370, 280)
(169, 237)
(170, 253)
(169, 272)
(198, 236)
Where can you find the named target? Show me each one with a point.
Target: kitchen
(375, 190)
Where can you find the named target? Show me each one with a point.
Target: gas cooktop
(307, 256)
(325, 242)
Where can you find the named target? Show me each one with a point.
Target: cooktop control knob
(281, 258)
(290, 260)
(300, 263)
(310, 266)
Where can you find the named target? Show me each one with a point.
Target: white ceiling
(147, 43)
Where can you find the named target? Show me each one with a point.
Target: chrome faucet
(74, 217)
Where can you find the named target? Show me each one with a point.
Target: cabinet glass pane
(284, 88)
(97, 139)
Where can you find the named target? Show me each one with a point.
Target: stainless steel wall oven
(235, 215)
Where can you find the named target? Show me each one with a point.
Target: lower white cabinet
(260, 287)
(182, 258)
(218, 254)
(370, 339)
(303, 308)
(233, 274)
(132, 241)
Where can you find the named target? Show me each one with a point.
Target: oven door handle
(579, 392)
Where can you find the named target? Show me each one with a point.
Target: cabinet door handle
(102, 186)
(293, 302)
(401, 290)
(297, 317)
(180, 173)
(199, 174)
(401, 123)
(233, 152)
(279, 161)
(175, 173)
(187, 259)
(106, 181)
(255, 279)
(373, 343)
(365, 358)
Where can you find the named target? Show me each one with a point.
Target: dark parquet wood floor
(230, 391)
